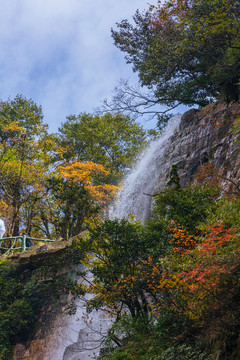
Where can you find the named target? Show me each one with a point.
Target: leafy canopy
(25, 153)
(109, 140)
(185, 51)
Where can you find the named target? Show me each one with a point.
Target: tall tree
(109, 140)
(77, 196)
(185, 52)
(25, 149)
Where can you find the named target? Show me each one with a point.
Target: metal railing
(18, 243)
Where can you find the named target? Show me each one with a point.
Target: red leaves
(181, 239)
(186, 280)
(215, 237)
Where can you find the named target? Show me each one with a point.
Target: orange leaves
(210, 257)
(14, 127)
(82, 171)
(169, 13)
(85, 174)
(205, 266)
(181, 239)
(207, 172)
(102, 192)
(216, 236)
(185, 280)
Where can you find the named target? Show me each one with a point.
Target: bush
(189, 207)
(182, 352)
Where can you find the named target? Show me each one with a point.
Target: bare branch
(129, 99)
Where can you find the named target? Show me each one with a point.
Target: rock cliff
(209, 139)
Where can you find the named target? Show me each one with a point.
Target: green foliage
(73, 206)
(26, 113)
(34, 195)
(188, 207)
(171, 284)
(173, 300)
(227, 211)
(26, 293)
(174, 181)
(110, 140)
(185, 51)
(182, 352)
(19, 303)
(25, 149)
(221, 319)
(116, 247)
(138, 339)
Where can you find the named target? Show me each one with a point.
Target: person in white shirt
(2, 228)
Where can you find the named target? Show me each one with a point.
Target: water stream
(81, 337)
(135, 197)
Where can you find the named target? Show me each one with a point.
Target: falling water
(81, 337)
(135, 197)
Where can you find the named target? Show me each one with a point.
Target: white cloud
(60, 52)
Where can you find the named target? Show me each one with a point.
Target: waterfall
(135, 197)
(81, 334)
(81, 337)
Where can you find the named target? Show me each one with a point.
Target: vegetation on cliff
(185, 52)
(51, 184)
(173, 284)
(32, 293)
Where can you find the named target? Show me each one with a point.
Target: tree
(78, 196)
(25, 152)
(189, 207)
(113, 251)
(185, 52)
(109, 140)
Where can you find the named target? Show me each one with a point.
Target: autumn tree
(185, 52)
(25, 149)
(78, 195)
(113, 251)
(163, 281)
(110, 140)
(186, 281)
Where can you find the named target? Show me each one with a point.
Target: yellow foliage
(3, 207)
(102, 192)
(14, 126)
(84, 173)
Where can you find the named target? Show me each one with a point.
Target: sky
(60, 53)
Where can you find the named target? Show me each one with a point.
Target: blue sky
(60, 53)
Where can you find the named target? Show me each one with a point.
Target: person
(29, 242)
(2, 228)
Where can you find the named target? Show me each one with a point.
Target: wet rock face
(203, 137)
(44, 344)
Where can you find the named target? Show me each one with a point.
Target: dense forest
(173, 284)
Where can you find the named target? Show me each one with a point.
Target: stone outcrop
(51, 322)
(205, 136)
(204, 141)
(39, 250)
(44, 344)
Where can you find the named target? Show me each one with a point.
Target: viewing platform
(19, 243)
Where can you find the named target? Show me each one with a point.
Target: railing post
(23, 242)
